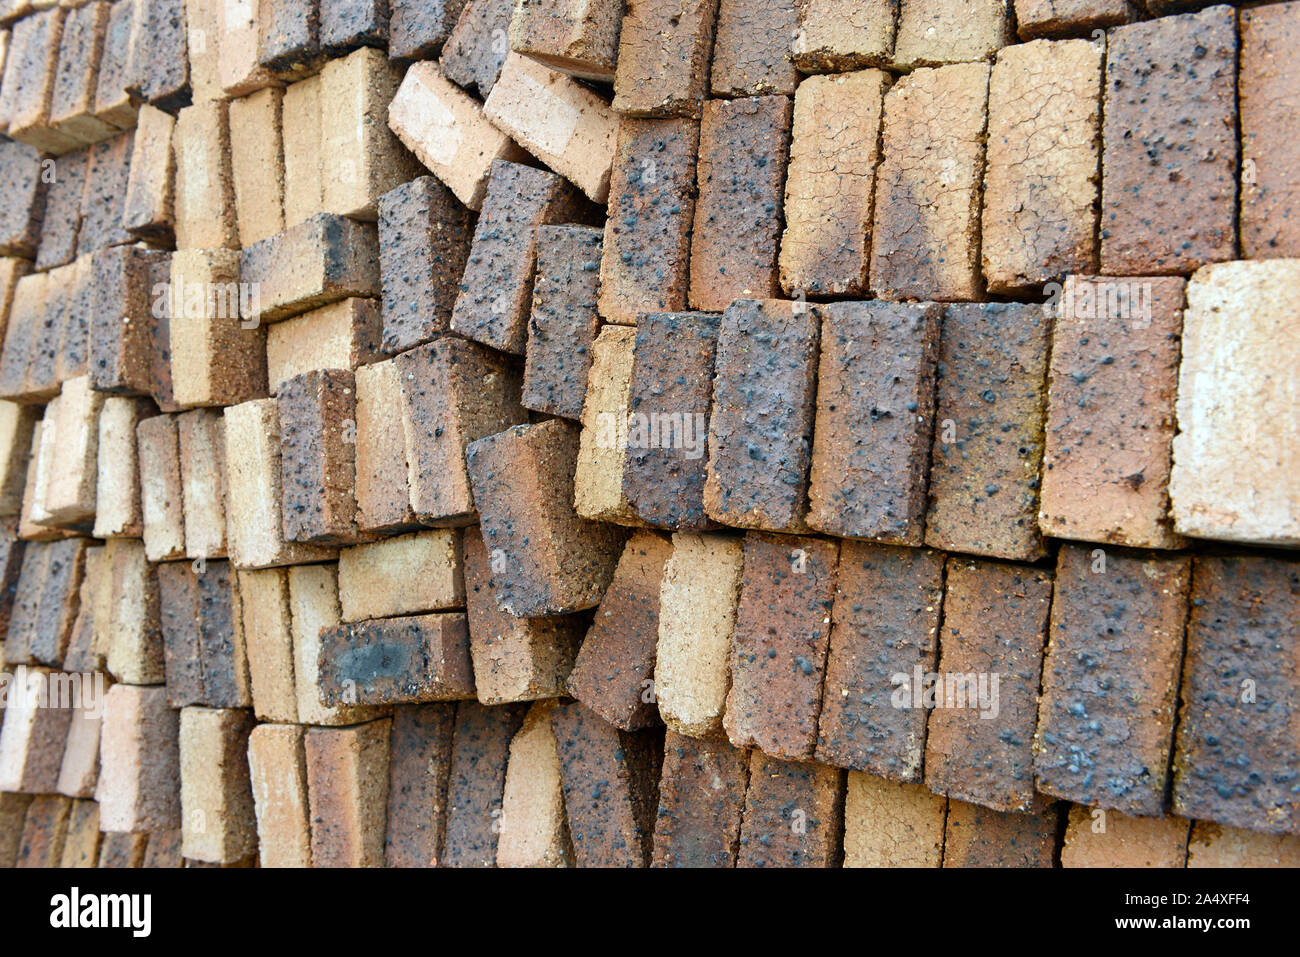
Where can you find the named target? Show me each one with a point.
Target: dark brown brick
(126, 326)
(978, 837)
(701, 800)
(751, 51)
(419, 767)
(480, 748)
(663, 57)
(319, 261)
(164, 849)
(1268, 88)
(318, 412)
(417, 29)
(158, 61)
(45, 828)
(407, 660)
(11, 562)
(288, 42)
(31, 751)
(203, 641)
(23, 204)
(794, 814)
(477, 47)
(1071, 18)
(347, 24)
(45, 603)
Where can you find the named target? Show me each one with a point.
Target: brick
(113, 104)
(161, 493)
(129, 631)
(1234, 343)
(11, 270)
(990, 414)
(13, 809)
(300, 127)
(1212, 845)
(343, 335)
(319, 261)
(158, 60)
(564, 319)
(28, 530)
(139, 780)
(1106, 462)
(72, 98)
(81, 845)
(352, 23)
(1095, 838)
(744, 148)
(1041, 226)
(45, 602)
(428, 562)
(495, 288)
(558, 120)
(163, 849)
(34, 735)
(202, 615)
(418, 30)
(277, 767)
(317, 457)
(45, 830)
(1238, 692)
(179, 619)
(793, 814)
(475, 787)
(383, 495)
(532, 830)
(554, 561)
(29, 82)
(288, 37)
(120, 849)
(202, 444)
(62, 205)
(254, 493)
(73, 358)
(932, 32)
(478, 45)
(69, 499)
(1170, 118)
(578, 39)
(85, 653)
(926, 239)
(651, 207)
(38, 479)
(994, 622)
(424, 241)
(33, 568)
(610, 780)
(406, 660)
(125, 328)
(347, 787)
(17, 423)
(615, 667)
(1110, 679)
(605, 439)
(514, 659)
(117, 487)
(218, 823)
(41, 382)
(23, 208)
(419, 766)
(758, 470)
(204, 191)
(268, 634)
(891, 823)
(1071, 18)
(103, 202)
(834, 36)
(257, 164)
(447, 131)
(238, 45)
(975, 836)
(12, 549)
(751, 48)
(663, 57)
(701, 800)
(1266, 88)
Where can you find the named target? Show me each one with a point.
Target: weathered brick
(975, 836)
(17, 424)
(347, 788)
(33, 737)
(751, 48)
(396, 661)
(157, 66)
(238, 43)
(319, 261)
(45, 602)
(531, 823)
(161, 494)
(201, 614)
(417, 29)
(112, 103)
(352, 23)
(429, 562)
(178, 606)
(934, 32)
(125, 326)
(580, 39)
(72, 97)
(217, 818)
(139, 780)
(163, 849)
(317, 457)
(382, 492)
(834, 36)
(288, 37)
(13, 809)
(990, 414)
(268, 635)
(1267, 87)
(69, 499)
(1071, 18)
(1170, 118)
(419, 767)
(45, 830)
(202, 444)
(26, 316)
(102, 204)
(129, 631)
(277, 765)
(701, 800)
(793, 814)
(564, 319)
(41, 382)
(61, 221)
(994, 623)
(602, 452)
(477, 47)
(204, 194)
(85, 652)
(1096, 838)
(29, 81)
(480, 747)
(342, 335)
(23, 203)
(891, 824)
(12, 549)
(663, 57)
(81, 845)
(300, 128)
(117, 490)
(1212, 845)
(121, 849)
(257, 164)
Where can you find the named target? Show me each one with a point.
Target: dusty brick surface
(429, 561)
(701, 800)
(890, 824)
(838, 35)
(288, 36)
(300, 128)
(382, 492)
(1125, 841)
(124, 329)
(663, 57)
(751, 48)
(793, 815)
(161, 495)
(480, 746)
(147, 206)
(343, 335)
(418, 769)
(347, 788)
(934, 32)
(1071, 18)
(317, 461)
(351, 23)
(72, 98)
(978, 837)
(533, 832)
(204, 201)
(319, 261)
(60, 222)
(580, 39)
(396, 661)
(277, 766)
(417, 30)
(1267, 87)
(218, 824)
(139, 780)
(1212, 845)
(475, 51)
(129, 629)
(257, 164)
(24, 207)
(44, 832)
(202, 443)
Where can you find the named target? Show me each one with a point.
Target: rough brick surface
(347, 787)
(602, 456)
(34, 737)
(383, 498)
(480, 746)
(147, 206)
(342, 335)
(321, 260)
(277, 767)
(663, 57)
(417, 30)
(161, 494)
(428, 563)
(701, 800)
(934, 32)
(396, 661)
(1212, 845)
(204, 203)
(139, 780)
(257, 164)
(61, 221)
(793, 815)
(532, 827)
(345, 24)
(477, 47)
(300, 127)
(218, 824)
(125, 330)
(1267, 89)
(72, 99)
(203, 479)
(44, 832)
(1071, 18)
(419, 765)
(751, 48)
(112, 102)
(23, 208)
(580, 39)
(288, 39)
(891, 824)
(978, 837)
(1115, 840)
(838, 35)
(317, 461)
(129, 630)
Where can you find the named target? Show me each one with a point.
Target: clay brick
(891, 824)
(477, 47)
(793, 814)
(492, 306)
(342, 335)
(72, 98)
(406, 660)
(1110, 679)
(23, 203)
(238, 44)
(129, 631)
(161, 493)
(418, 769)
(347, 787)
(34, 735)
(663, 57)
(254, 528)
(218, 823)
(26, 316)
(558, 120)
(268, 636)
(1236, 745)
(613, 674)
(1071, 18)
(884, 629)
(12, 549)
(300, 128)
(994, 622)
(13, 809)
(1235, 342)
(157, 67)
(1266, 90)
(1110, 419)
(990, 414)
(202, 614)
(288, 37)
(203, 480)
(382, 492)
(72, 360)
(17, 424)
(514, 659)
(424, 241)
(926, 239)
(117, 488)
(564, 319)
(1212, 845)
(447, 131)
(554, 561)
(28, 530)
(605, 440)
(758, 469)
(113, 104)
(163, 849)
(744, 147)
(1170, 119)
(532, 830)
(69, 499)
(139, 779)
(418, 29)
(61, 221)
(41, 382)
(11, 270)
(351, 23)
(277, 767)
(1095, 838)
(1041, 225)
(204, 192)
(179, 618)
(104, 201)
(29, 82)
(975, 836)
(319, 261)
(751, 48)
(644, 265)
(45, 602)
(578, 39)
(935, 32)
(317, 457)
(428, 564)
(85, 653)
(257, 164)
(33, 567)
(610, 780)
(834, 36)
(81, 845)
(125, 326)
(120, 849)
(480, 747)
(875, 416)
(701, 800)
(45, 830)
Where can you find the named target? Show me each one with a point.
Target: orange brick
(347, 787)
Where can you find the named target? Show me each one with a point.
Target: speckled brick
(288, 36)
(884, 628)
(45, 830)
(13, 809)
(417, 29)
(347, 24)
(990, 415)
(794, 815)
(758, 464)
(74, 342)
(1098, 839)
(29, 81)
(744, 148)
(1268, 88)
(147, 204)
(1170, 150)
(318, 457)
(418, 769)
(577, 38)
(1071, 18)
(778, 651)
(1237, 757)
(663, 57)
(41, 219)
(1110, 679)
(480, 746)
(875, 419)
(406, 660)
(347, 787)
(179, 620)
(701, 800)
(476, 50)
(751, 48)
(112, 103)
(994, 622)
(158, 60)
(319, 261)
(45, 602)
(935, 32)
(72, 99)
(978, 837)
(838, 35)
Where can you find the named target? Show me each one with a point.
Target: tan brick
(268, 636)
(752, 48)
(1266, 88)
(147, 211)
(29, 82)
(342, 335)
(204, 200)
(935, 32)
(578, 39)
(161, 491)
(28, 530)
(72, 99)
(33, 736)
(236, 39)
(793, 814)
(45, 831)
(277, 766)
(17, 425)
(300, 127)
(117, 485)
(532, 828)
(1097, 838)
(663, 57)
(257, 164)
(139, 781)
(217, 819)
(427, 564)
(69, 499)
(81, 846)
(838, 35)
(84, 652)
(383, 491)
(347, 789)
(975, 836)
(892, 824)
(1213, 845)
(129, 631)
(602, 452)
(202, 444)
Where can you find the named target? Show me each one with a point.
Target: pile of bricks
(679, 433)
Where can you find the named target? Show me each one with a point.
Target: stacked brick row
(705, 433)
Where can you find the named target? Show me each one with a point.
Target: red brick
(318, 458)
(978, 837)
(663, 57)
(347, 784)
(751, 48)
(1212, 845)
(480, 746)
(1268, 88)
(419, 767)
(794, 814)
(405, 660)
(701, 800)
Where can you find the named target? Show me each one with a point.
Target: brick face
(751, 48)
(701, 800)
(1268, 87)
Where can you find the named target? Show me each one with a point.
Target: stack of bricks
(717, 433)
